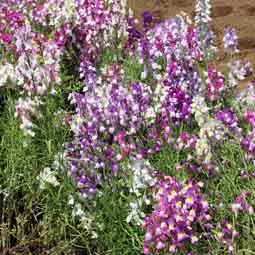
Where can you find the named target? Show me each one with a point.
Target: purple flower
(241, 203)
(108, 117)
(230, 40)
(186, 141)
(179, 209)
(147, 19)
(248, 145)
(177, 106)
(227, 235)
(230, 119)
(215, 84)
(241, 69)
(249, 116)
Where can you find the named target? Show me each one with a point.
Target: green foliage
(28, 213)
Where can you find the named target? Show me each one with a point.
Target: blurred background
(239, 14)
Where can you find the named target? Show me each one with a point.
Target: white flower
(246, 98)
(71, 200)
(203, 11)
(27, 110)
(141, 176)
(142, 180)
(209, 128)
(7, 73)
(86, 220)
(135, 214)
(60, 161)
(47, 176)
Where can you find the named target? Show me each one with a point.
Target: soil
(239, 14)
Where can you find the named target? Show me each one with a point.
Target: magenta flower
(230, 119)
(248, 145)
(227, 235)
(179, 210)
(241, 203)
(249, 116)
(215, 84)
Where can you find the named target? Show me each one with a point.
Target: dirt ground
(239, 14)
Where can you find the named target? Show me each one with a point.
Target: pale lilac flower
(230, 40)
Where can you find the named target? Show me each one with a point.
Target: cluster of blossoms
(36, 69)
(230, 40)
(53, 13)
(47, 176)
(247, 100)
(177, 106)
(11, 20)
(246, 97)
(203, 11)
(107, 118)
(89, 25)
(241, 69)
(116, 121)
(226, 235)
(28, 110)
(202, 22)
(249, 116)
(179, 211)
(94, 33)
(143, 178)
(241, 203)
(215, 84)
(211, 130)
(248, 145)
(229, 118)
(176, 41)
(87, 220)
(248, 142)
(186, 141)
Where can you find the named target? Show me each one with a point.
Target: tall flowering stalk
(230, 41)
(211, 132)
(203, 12)
(215, 84)
(202, 23)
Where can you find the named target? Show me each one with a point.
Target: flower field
(123, 138)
